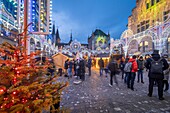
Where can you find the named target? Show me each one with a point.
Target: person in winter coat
(82, 69)
(165, 80)
(101, 66)
(132, 75)
(113, 67)
(140, 63)
(74, 66)
(121, 66)
(89, 64)
(126, 73)
(153, 76)
(66, 67)
(70, 67)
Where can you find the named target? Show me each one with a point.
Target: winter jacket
(140, 64)
(89, 63)
(66, 65)
(81, 69)
(101, 63)
(70, 64)
(134, 65)
(156, 57)
(166, 74)
(122, 65)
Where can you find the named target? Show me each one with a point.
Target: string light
(1, 91)
(14, 92)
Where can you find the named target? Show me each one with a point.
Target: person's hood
(140, 59)
(156, 57)
(131, 60)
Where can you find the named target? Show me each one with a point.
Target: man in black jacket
(101, 66)
(153, 77)
(140, 62)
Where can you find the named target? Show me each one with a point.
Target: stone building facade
(148, 28)
(147, 14)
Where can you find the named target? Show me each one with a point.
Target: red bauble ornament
(9, 105)
(14, 80)
(2, 90)
(14, 92)
(5, 99)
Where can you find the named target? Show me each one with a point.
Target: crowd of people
(77, 67)
(157, 67)
(130, 67)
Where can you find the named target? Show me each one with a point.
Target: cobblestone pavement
(94, 95)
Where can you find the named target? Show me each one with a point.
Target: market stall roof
(60, 58)
(69, 56)
(66, 55)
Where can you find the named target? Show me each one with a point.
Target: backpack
(81, 65)
(156, 67)
(121, 66)
(113, 67)
(128, 67)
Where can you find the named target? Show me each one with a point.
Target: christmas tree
(24, 84)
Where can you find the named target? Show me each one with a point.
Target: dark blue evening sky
(84, 16)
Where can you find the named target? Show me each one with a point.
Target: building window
(153, 21)
(147, 5)
(157, 1)
(143, 28)
(138, 30)
(165, 15)
(147, 26)
(152, 2)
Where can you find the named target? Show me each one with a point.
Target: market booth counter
(105, 58)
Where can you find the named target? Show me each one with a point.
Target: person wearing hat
(140, 63)
(156, 66)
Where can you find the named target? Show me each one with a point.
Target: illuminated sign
(101, 42)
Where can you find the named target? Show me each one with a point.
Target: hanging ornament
(9, 105)
(14, 93)
(5, 98)
(14, 80)
(2, 90)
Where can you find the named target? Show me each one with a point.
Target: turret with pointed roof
(53, 33)
(53, 30)
(71, 38)
(57, 37)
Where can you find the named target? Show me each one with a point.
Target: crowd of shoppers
(130, 67)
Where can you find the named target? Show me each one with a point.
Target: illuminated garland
(24, 86)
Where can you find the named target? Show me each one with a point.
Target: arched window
(152, 2)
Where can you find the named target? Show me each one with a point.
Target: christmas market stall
(60, 58)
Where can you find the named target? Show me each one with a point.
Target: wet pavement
(94, 95)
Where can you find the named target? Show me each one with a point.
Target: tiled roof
(99, 32)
